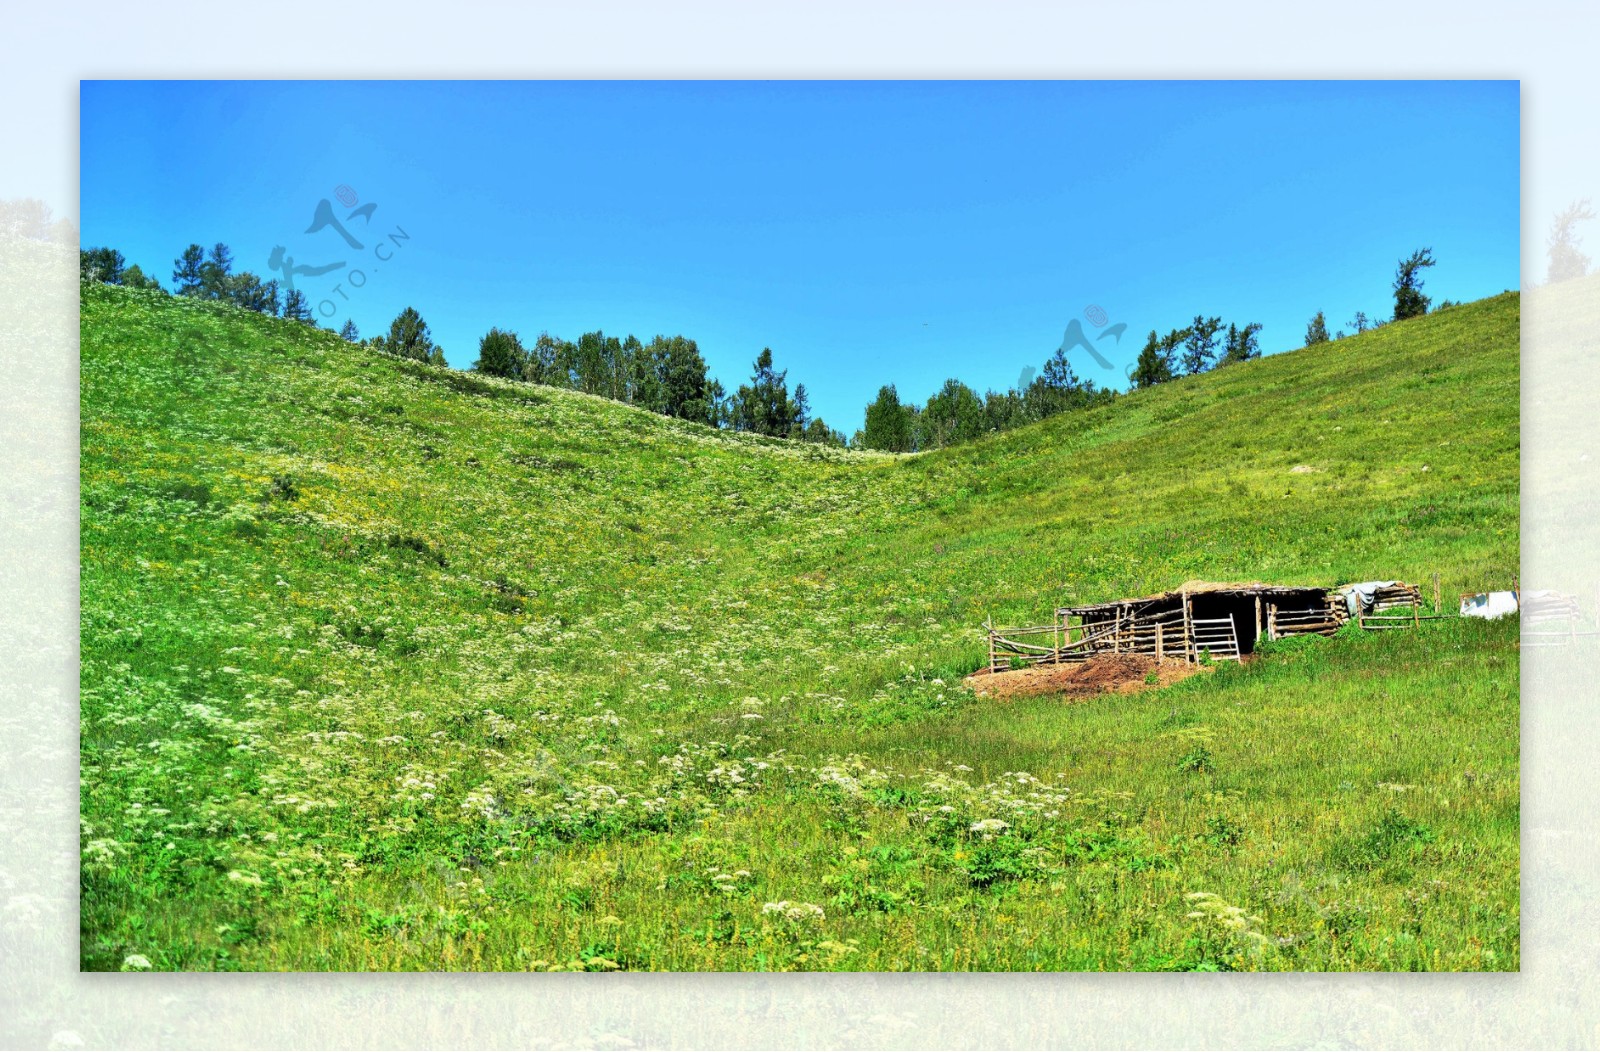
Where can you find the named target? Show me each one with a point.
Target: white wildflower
(794, 911)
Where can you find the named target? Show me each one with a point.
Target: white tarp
(1362, 593)
(1489, 604)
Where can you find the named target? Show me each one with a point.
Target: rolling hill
(386, 666)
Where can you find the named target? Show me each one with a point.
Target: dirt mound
(1107, 674)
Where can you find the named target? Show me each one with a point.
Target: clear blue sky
(868, 232)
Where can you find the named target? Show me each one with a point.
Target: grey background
(44, 1002)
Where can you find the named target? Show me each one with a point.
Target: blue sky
(867, 232)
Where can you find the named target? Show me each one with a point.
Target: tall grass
(388, 668)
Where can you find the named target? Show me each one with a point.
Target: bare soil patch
(1107, 674)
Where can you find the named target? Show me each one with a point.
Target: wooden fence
(1049, 644)
(1549, 620)
(1216, 636)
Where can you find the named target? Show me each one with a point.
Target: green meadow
(390, 667)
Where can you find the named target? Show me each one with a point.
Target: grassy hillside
(390, 667)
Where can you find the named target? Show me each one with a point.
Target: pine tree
(500, 353)
(685, 386)
(215, 273)
(250, 292)
(186, 276)
(762, 406)
(297, 308)
(1240, 345)
(348, 331)
(1170, 343)
(135, 278)
(888, 423)
(1200, 345)
(1409, 302)
(1157, 361)
(1249, 346)
(799, 412)
(409, 337)
(1317, 331)
(1058, 374)
(1153, 366)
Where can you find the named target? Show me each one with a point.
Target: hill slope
(386, 666)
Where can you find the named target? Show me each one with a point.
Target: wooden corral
(1223, 620)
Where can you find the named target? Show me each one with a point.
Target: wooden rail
(1004, 647)
(1216, 636)
(1130, 628)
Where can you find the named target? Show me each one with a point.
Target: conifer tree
(888, 423)
(186, 276)
(500, 353)
(1200, 345)
(409, 337)
(297, 308)
(1409, 302)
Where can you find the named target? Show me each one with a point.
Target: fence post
(1188, 630)
(1437, 602)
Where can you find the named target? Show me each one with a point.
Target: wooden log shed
(1225, 620)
